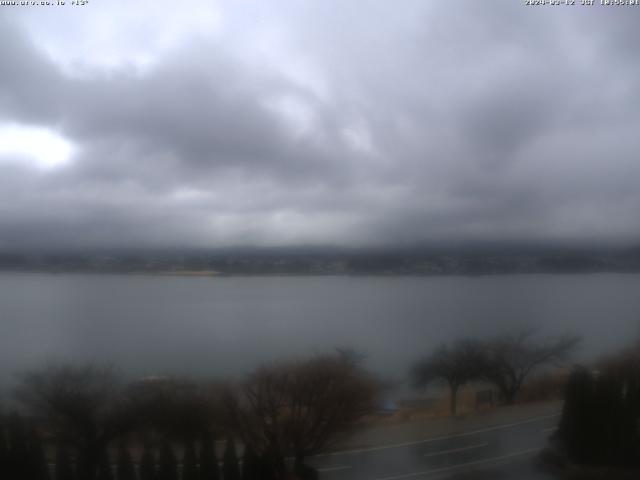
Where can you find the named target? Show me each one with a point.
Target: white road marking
(547, 430)
(461, 465)
(456, 450)
(333, 469)
(437, 439)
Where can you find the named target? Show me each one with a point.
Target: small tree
(18, 449)
(576, 423)
(63, 467)
(4, 451)
(208, 458)
(168, 468)
(126, 470)
(251, 464)
(105, 471)
(38, 468)
(511, 358)
(230, 468)
(456, 365)
(189, 462)
(147, 463)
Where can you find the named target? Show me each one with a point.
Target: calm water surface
(225, 326)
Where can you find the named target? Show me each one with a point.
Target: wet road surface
(498, 451)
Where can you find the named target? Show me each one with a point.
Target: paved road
(501, 446)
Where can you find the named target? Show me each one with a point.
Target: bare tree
(82, 407)
(299, 408)
(512, 357)
(455, 364)
(174, 407)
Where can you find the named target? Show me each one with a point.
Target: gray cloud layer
(330, 124)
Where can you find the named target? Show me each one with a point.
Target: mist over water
(224, 327)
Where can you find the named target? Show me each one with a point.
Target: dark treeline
(83, 423)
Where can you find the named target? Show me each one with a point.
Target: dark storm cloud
(387, 124)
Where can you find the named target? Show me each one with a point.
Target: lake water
(226, 326)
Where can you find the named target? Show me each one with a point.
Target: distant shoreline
(364, 263)
(218, 274)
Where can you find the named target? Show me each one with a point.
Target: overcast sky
(332, 122)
